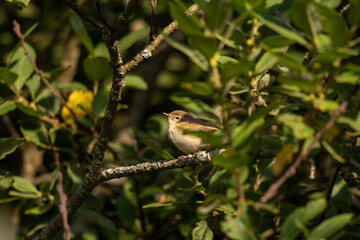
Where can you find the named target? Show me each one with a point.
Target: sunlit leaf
(296, 123)
(21, 65)
(6, 179)
(330, 226)
(202, 231)
(24, 186)
(7, 106)
(235, 228)
(282, 158)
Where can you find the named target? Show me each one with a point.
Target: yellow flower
(80, 103)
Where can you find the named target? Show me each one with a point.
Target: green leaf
(70, 87)
(226, 208)
(6, 179)
(125, 210)
(7, 106)
(100, 100)
(351, 121)
(289, 61)
(18, 4)
(325, 105)
(96, 68)
(35, 132)
(39, 210)
(157, 205)
(129, 39)
(30, 111)
(97, 218)
(135, 81)
(24, 195)
(196, 106)
(7, 76)
(24, 186)
(347, 77)
(266, 62)
(300, 217)
(33, 85)
(231, 161)
(217, 13)
(195, 56)
(276, 42)
(330, 226)
(300, 80)
(296, 123)
(299, 16)
(145, 139)
(20, 64)
(235, 228)
(199, 88)
(8, 145)
(232, 69)
(272, 23)
(333, 23)
(80, 30)
(243, 132)
(202, 231)
(189, 25)
(206, 45)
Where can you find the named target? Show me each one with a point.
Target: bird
(180, 121)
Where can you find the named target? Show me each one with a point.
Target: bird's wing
(201, 127)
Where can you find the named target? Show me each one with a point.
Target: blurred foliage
(270, 72)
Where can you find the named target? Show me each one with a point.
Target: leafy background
(270, 72)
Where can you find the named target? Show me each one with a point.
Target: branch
(147, 52)
(122, 19)
(198, 159)
(273, 189)
(84, 16)
(103, 20)
(62, 206)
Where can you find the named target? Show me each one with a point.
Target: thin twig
(53, 91)
(329, 190)
(60, 190)
(147, 52)
(103, 20)
(62, 206)
(122, 19)
(84, 16)
(273, 189)
(152, 21)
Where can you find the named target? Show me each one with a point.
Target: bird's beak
(166, 114)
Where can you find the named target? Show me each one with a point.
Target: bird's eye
(177, 117)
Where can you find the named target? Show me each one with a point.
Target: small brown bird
(180, 121)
